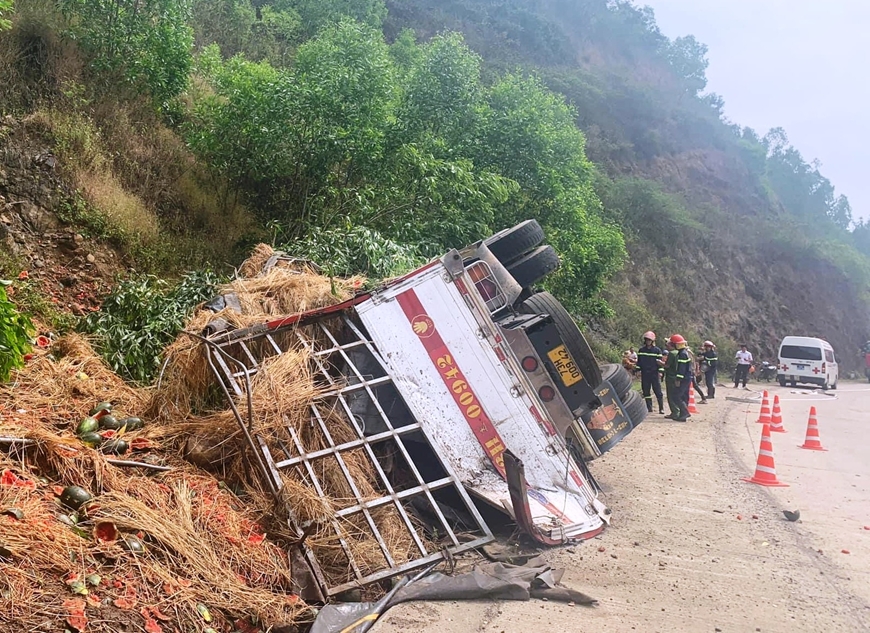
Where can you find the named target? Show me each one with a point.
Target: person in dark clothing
(695, 376)
(670, 370)
(648, 358)
(709, 366)
(684, 377)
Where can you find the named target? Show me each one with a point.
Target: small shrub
(141, 316)
(6, 7)
(15, 331)
(131, 220)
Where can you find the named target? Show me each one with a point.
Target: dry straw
(187, 385)
(203, 545)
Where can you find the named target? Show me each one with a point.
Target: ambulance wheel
(510, 244)
(618, 377)
(635, 407)
(782, 382)
(578, 347)
(534, 266)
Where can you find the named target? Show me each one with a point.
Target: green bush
(141, 316)
(6, 7)
(15, 332)
(147, 43)
(356, 250)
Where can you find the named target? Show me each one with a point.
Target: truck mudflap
(610, 423)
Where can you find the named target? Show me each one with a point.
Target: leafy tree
(269, 32)
(6, 8)
(317, 13)
(800, 186)
(840, 212)
(276, 34)
(443, 95)
(147, 42)
(239, 131)
(688, 58)
(423, 156)
(141, 316)
(531, 138)
(351, 249)
(226, 23)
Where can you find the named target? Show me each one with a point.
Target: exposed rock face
(73, 270)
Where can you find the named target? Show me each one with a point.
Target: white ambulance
(803, 359)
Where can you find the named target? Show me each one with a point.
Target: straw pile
(186, 385)
(203, 546)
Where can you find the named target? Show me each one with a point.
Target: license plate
(565, 365)
(801, 366)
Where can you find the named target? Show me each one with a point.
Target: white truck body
(465, 386)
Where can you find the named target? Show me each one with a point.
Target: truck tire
(635, 407)
(510, 244)
(618, 377)
(534, 266)
(545, 303)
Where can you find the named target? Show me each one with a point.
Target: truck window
(800, 352)
(486, 285)
(829, 356)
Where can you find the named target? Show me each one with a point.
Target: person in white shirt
(744, 362)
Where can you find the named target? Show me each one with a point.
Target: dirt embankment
(757, 298)
(73, 270)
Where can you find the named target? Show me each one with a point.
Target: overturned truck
(467, 394)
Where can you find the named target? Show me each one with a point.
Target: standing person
(744, 362)
(695, 373)
(684, 376)
(670, 367)
(709, 365)
(648, 358)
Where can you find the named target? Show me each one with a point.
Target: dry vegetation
(203, 544)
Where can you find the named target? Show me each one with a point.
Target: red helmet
(676, 339)
(649, 335)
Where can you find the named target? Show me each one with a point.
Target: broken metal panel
(465, 386)
(355, 379)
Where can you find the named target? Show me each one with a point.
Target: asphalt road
(694, 548)
(832, 488)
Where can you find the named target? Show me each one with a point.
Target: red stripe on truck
(455, 381)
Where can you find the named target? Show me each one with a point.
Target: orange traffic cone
(776, 419)
(764, 416)
(765, 470)
(692, 407)
(813, 442)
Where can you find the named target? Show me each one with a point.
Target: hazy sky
(803, 65)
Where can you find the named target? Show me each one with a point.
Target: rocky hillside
(371, 135)
(731, 234)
